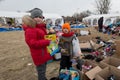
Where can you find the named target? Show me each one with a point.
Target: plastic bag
(69, 75)
(76, 47)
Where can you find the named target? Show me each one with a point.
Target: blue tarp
(81, 26)
(10, 29)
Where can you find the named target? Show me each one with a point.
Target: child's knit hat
(66, 26)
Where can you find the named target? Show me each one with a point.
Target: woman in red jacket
(35, 30)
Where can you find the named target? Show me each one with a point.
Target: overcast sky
(62, 7)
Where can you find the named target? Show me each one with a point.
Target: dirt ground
(15, 59)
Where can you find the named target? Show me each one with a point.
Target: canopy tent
(102, 15)
(53, 17)
(21, 14)
(93, 19)
(18, 16)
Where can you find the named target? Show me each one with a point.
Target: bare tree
(103, 6)
(77, 17)
(85, 13)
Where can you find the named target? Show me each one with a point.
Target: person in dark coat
(100, 24)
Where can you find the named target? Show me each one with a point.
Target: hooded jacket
(34, 38)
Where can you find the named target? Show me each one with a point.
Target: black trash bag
(54, 78)
(79, 64)
(111, 77)
(98, 59)
(89, 56)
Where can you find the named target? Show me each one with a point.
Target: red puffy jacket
(34, 37)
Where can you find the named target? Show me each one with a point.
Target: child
(65, 43)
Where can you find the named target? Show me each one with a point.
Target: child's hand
(63, 50)
(47, 31)
(51, 30)
(51, 42)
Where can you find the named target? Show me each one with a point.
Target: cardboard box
(88, 62)
(83, 76)
(105, 73)
(84, 71)
(92, 73)
(110, 61)
(117, 43)
(94, 45)
(84, 38)
(102, 65)
(85, 45)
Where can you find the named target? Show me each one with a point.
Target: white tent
(108, 18)
(53, 17)
(18, 16)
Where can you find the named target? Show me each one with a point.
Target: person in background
(57, 27)
(49, 26)
(100, 24)
(35, 30)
